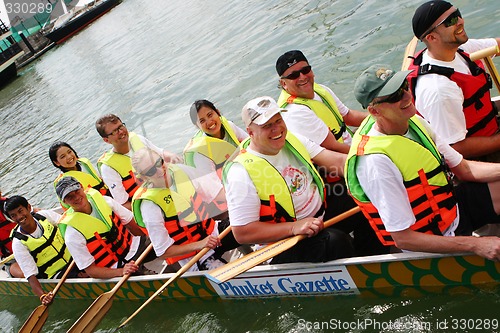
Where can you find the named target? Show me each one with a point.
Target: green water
(147, 61)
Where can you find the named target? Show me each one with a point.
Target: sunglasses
(151, 171)
(295, 74)
(450, 21)
(396, 96)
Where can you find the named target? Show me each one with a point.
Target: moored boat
(10, 51)
(400, 274)
(78, 18)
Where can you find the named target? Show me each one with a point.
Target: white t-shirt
(77, 244)
(112, 178)
(382, 182)
(302, 120)
(439, 100)
(243, 201)
(21, 252)
(206, 185)
(205, 164)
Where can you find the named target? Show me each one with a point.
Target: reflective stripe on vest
(123, 165)
(326, 110)
(479, 111)
(108, 241)
(186, 216)
(426, 182)
(275, 206)
(49, 251)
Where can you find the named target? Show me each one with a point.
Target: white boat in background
(10, 51)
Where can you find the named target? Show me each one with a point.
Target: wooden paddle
(39, 316)
(409, 53)
(89, 320)
(7, 259)
(181, 271)
(485, 54)
(243, 264)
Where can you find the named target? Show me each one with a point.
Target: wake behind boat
(74, 20)
(400, 274)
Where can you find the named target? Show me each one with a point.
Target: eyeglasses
(151, 171)
(116, 130)
(451, 20)
(295, 74)
(396, 96)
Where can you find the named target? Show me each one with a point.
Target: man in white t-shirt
(37, 245)
(93, 225)
(397, 171)
(273, 191)
(451, 92)
(183, 209)
(115, 166)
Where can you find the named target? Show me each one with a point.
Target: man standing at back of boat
(115, 165)
(315, 112)
(398, 176)
(451, 92)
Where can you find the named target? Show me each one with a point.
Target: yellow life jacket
(123, 165)
(49, 251)
(426, 181)
(276, 203)
(326, 110)
(108, 241)
(217, 150)
(186, 216)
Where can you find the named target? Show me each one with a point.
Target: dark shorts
(475, 207)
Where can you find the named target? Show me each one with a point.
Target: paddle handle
(7, 259)
(63, 278)
(487, 52)
(181, 271)
(409, 52)
(137, 262)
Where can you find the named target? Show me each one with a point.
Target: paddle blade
(241, 265)
(36, 320)
(89, 320)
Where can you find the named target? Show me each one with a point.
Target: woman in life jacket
(65, 158)
(216, 138)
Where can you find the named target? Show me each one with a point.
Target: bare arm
(475, 146)
(263, 232)
(474, 171)
(107, 273)
(134, 228)
(128, 205)
(331, 143)
(35, 285)
(333, 161)
(178, 250)
(355, 117)
(486, 247)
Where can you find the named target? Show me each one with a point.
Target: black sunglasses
(395, 96)
(450, 21)
(151, 171)
(295, 74)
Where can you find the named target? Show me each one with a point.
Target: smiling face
(269, 138)
(209, 122)
(302, 86)
(117, 133)
(392, 118)
(78, 201)
(66, 158)
(22, 216)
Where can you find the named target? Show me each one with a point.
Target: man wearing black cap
(398, 176)
(98, 231)
(450, 90)
(313, 109)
